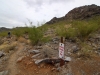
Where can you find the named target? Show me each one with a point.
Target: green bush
(35, 35)
(85, 28)
(61, 31)
(19, 31)
(45, 39)
(69, 33)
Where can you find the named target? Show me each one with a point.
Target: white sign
(61, 50)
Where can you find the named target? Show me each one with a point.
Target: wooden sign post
(61, 52)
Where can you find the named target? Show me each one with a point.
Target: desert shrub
(35, 35)
(71, 33)
(84, 28)
(19, 31)
(45, 39)
(61, 31)
(68, 33)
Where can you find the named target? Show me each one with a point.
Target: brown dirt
(12, 66)
(28, 67)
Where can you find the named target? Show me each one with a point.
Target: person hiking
(9, 34)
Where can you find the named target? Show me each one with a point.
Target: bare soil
(27, 66)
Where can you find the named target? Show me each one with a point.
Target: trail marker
(61, 50)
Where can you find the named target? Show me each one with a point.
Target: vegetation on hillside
(79, 28)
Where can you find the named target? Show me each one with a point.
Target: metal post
(62, 60)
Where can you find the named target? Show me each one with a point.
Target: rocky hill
(81, 13)
(4, 29)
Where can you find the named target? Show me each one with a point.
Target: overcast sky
(15, 13)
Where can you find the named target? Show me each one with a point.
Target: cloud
(41, 2)
(15, 12)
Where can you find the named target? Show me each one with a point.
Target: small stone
(34, 51)
(38, 61)
(20, 59)
(57, 65)
(35, 55)
(75, 49)
(1, 54)
(39, 47)
(29, 63)
(55, 48)
(58, 69)
(67, 58)
(37, 72)
(53, 69)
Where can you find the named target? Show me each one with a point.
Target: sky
(15, 13)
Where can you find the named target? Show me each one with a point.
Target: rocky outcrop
(55, 19)
(83, 12)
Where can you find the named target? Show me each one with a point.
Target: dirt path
(13, 70)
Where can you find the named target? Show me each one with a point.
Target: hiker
(9, 34)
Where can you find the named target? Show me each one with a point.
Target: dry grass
(7, 47)
(28, 42)
(22, 40)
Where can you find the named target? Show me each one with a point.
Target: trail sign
(61, 50)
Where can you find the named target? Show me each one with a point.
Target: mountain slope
(83, 12)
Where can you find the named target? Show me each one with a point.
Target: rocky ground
(24, 58)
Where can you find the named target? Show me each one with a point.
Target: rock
(20, 59)
(39, 47)
(69, 53)
(55, 40)
(58, 69)
(83, 12)
(37, 62)
(4, 73)
(68, 59)
(94, 45)
(75, 49)
(53, 69)
(55, 48)
(48, 52)
(48, 61)
(34, 51)
(69, 74)
(36, 55)
(1, 54)
(57, 65)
